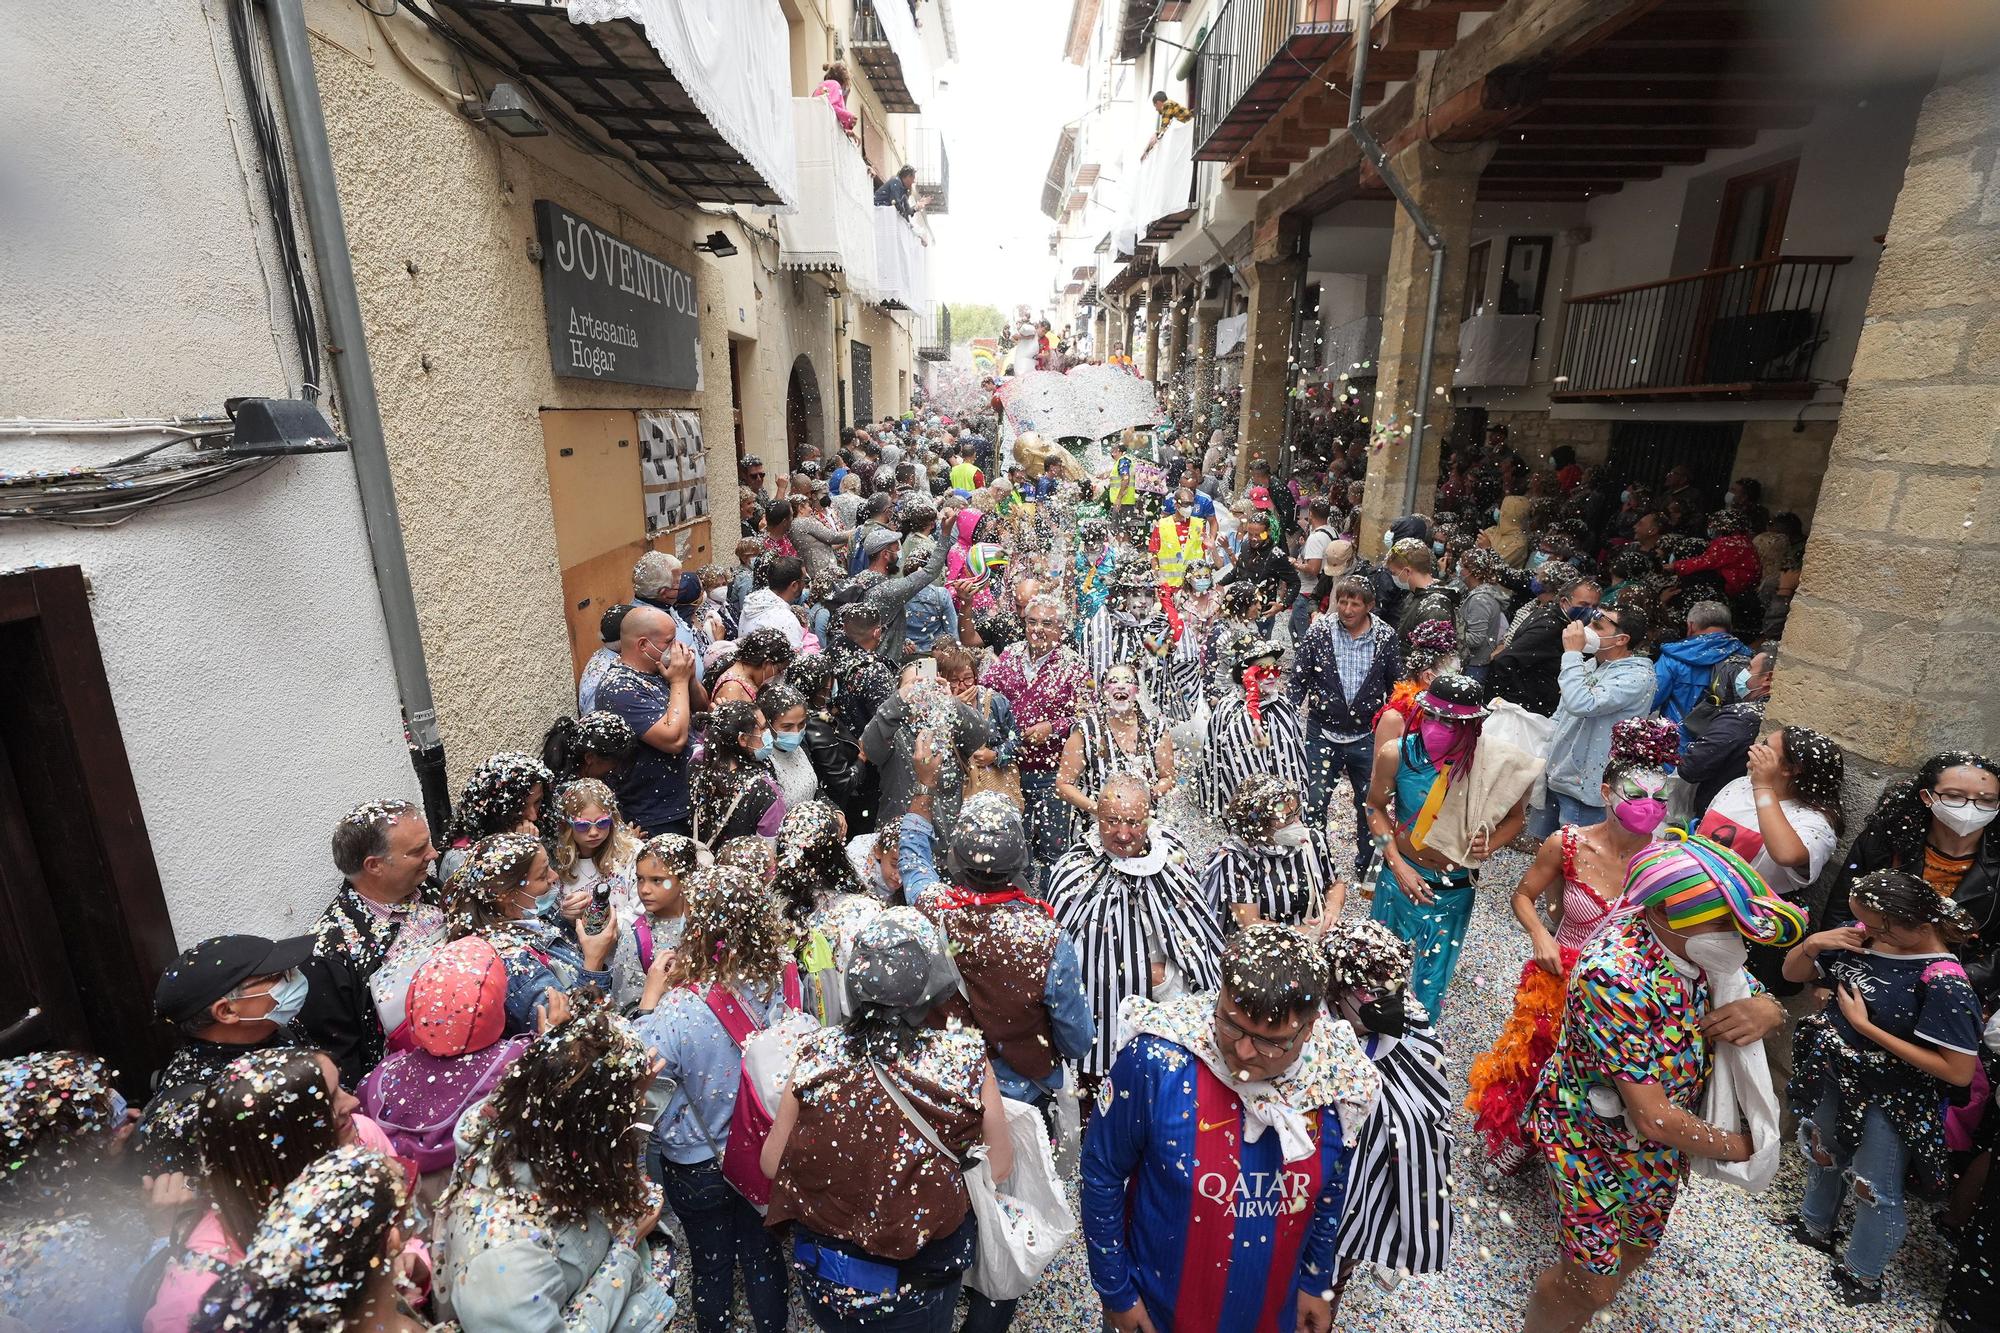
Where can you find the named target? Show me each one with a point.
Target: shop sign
(614, 311)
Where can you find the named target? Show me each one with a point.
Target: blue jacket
(1683, 669)
(1181, 1213)
(1070, 1019)
(1316, 685)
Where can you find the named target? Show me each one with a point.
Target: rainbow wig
(1693, 881)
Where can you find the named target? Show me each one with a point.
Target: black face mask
(1386, 1014)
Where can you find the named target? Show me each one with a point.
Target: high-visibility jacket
(1123, 492)
(1173, 550)
(966, 476)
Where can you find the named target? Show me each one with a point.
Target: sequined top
(855, 1168)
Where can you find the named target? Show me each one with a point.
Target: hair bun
(1653, 741)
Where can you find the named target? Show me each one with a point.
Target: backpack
(1717, 694)
(767, 1056)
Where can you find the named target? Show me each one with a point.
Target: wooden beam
(1322, 112)
(1540, 171)
(1680, 92)
(1529, 134)
(1388, 64)
(1550, 153)
(1615, 116)
(1414, 30)
(1463, 6)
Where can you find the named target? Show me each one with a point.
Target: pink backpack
(767, 1057)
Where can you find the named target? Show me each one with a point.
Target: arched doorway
(805, 420)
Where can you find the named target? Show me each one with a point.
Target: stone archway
(805, 417)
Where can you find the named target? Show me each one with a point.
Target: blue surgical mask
(1625, 497)
(788, 740)
(1201, 585)
(764, 746)
(545, 904)
(119, 1106)
(1743, 683)
(1538, 559)
(1437, 548)
(1400, 582)
(288, 997)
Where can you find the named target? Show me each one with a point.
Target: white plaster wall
(241, 633)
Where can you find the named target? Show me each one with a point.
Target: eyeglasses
(1235, 1032)
(591, 825)
(1955, 801)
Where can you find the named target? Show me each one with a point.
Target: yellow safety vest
(1174, 554)
(965, 476)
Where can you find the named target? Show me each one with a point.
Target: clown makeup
(1639, 801)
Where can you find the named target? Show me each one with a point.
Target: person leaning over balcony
(1168, 111)
(900, 193)
(834, 89)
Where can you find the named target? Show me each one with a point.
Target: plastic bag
(1025, 1221)
(1511, 724)
(1740, 1094)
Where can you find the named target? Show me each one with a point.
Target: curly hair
(1365, 955)
(1901, 818)
(724, 766)
(570, 739)
(616, 850)
(566, 1109)
(267, 1116)
(496, 796)
(1428, 643)
(55, 1126)
(1640, 743)
(734, 934)
(476, 894)
(764, 647)
(1818, 767)
(316, 1249)
(1908, 900)
(812, 859)
(1254, 804)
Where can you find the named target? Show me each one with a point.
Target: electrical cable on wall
(107, 494)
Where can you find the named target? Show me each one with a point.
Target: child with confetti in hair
(1874, 1067)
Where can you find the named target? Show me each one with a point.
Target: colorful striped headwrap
(1694, 880)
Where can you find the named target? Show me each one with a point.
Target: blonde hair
(617, 850)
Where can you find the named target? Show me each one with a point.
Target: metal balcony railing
(933, 164)
(934, 333)
(1746, 331)
(1256, 55)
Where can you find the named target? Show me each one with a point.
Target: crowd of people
(978, 842)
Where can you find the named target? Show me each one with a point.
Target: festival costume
(1629, 1016)
(1214, 1201)
(1246, 736)
(1435, 930)
(1103, 757)
(1122, 914)
(1117, 637)
(1502, 1080)
(1399, 1211)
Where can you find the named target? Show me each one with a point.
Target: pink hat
(458, 998)
(1260, 497)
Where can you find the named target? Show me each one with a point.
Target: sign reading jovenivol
(615, 312)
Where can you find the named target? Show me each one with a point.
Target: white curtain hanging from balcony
(838, 230)
(733, 57)
(901, 270)
(1159, 184)
(900, 27)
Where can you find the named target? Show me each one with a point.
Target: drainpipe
(1358, 127)
(359, 410)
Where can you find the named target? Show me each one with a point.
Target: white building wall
(241, 632)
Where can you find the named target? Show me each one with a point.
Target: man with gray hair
(385, 919)
(1039, 678)
(884, 551)
(658, 580)
(1681, 674)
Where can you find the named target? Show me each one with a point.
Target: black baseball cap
(218, 965)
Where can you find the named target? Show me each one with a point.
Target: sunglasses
(591, 825)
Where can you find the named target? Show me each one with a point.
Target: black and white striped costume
(1111, 637)
(1184, 677)
(1399, 1211)
(1234, 750)
(1103, 757)
(1110, 909)
(1286, 886)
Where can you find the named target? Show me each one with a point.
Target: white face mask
(1717, 953)
(1291, 837)
(1592, 641)
(1967, 818)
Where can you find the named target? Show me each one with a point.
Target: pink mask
(1641, 817)
(1438, 736)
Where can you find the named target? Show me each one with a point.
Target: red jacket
(1733, 557)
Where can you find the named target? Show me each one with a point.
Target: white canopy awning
(839, 231)
(733, 58)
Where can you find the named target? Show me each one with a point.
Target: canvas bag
(1022, 1229)
(1477, 801)
(767, 1056)
(1527, 731)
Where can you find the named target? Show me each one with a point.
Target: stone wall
(1535, 434)
(1897, 622)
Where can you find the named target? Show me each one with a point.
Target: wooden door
(599, 515)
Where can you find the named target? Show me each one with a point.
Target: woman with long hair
(506, 892)
(761, 657)
(323, 1255)
(882, 1224)
(1118, 733)
(67, 1228)
(267, 1117)
(1580, 870)
(833, 88)
(1936, 825)
(813, 866)
(734, 791)
(737, 977)
(505, 794)
(785, 709)
(596, 745)
(549, 1210)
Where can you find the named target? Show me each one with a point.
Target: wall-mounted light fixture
(507, 108)
(717, 244)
